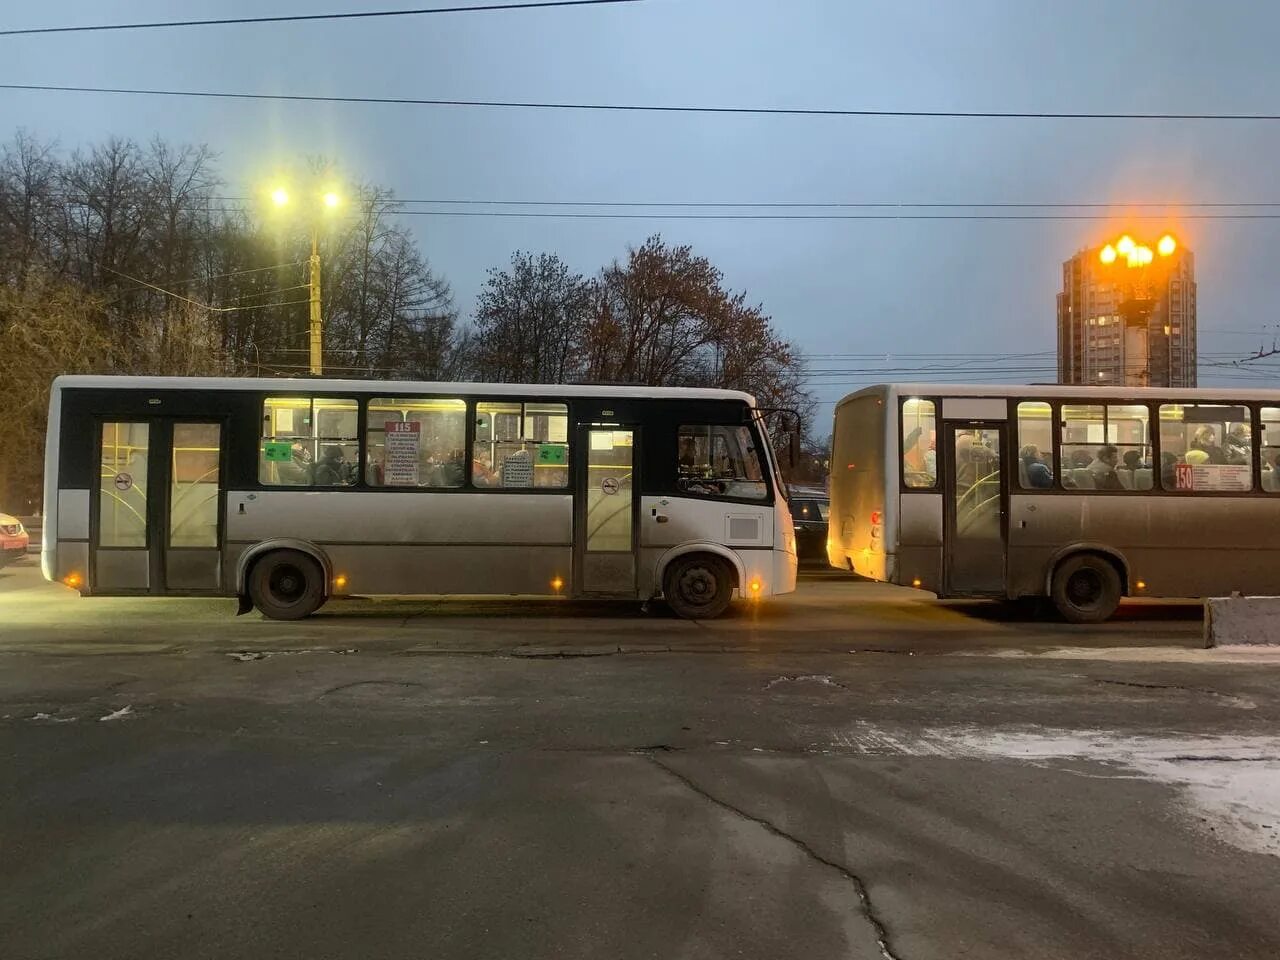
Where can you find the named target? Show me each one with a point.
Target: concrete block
(1237, 621)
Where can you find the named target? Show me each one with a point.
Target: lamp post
(1136, 268)
(329, 200)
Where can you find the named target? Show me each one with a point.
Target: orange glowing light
(72, 580)
(1125, 245)
(557, 584)
(1145, 256)
(915, 582)
(1142, 584)
(340, 581)
(1166, 246)
(755, 586)
(1108, 254)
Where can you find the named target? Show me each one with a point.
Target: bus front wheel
(698, 586)
(286, 585)
(1086, 588)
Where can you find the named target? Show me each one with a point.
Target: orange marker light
(340, 581)
(557, 584)
(755, 586)
(72, 580)
(915, 582)
(1142, 584)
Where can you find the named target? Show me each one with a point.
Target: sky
(895, 289)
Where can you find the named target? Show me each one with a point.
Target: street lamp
(1131, 260)
(329, 200)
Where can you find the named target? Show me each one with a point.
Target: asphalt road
(855, 771)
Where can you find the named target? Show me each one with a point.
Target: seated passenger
(1239, 449)
(332, 469)
(1168, 473)
(1206, 440)
(1103, 469)
(1039, 476)
(1133, 460)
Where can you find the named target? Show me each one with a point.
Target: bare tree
(529, 321)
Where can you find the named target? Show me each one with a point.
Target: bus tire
(1086, 588)
(286, 585)
(698, 586)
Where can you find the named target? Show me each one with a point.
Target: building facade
(1117, 325)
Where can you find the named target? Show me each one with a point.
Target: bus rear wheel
(1086, 588)
(698, 586)
(286, 585)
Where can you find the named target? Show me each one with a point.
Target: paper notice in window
(400, 454)
(517, 471)
(1221, 476)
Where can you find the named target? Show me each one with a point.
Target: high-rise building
(1127, 316)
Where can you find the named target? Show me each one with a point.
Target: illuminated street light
(327, 201)
(1108, 254)
(1125, 245)
(1167, 245)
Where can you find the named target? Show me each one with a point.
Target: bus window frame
(897, 451)
(572, 423)
(769, 475)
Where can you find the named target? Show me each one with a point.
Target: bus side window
(1205, 447)
(1106, 447)
(1035, 445)
(919, 444)
(1271, 449)
(520, 445)
(308, 442)
(719, 461)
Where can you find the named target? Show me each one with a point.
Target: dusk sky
(904, 288)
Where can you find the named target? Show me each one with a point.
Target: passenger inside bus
(1103, 469)
(1207, 440)
(1036, 473)
(975, 461)
(1239, 446)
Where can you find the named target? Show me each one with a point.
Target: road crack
(859, 885)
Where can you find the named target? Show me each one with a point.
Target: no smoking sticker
(610, 485)
(123, 481)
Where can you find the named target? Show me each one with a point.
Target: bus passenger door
(156, 523)
(976, 498)
(605, 522)
(191, 508)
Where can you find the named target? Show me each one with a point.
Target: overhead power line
(640, 108)
(359, 15)
(774, 204)
(544, 215)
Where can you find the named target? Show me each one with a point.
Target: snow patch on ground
(1218, 655)
(823, 679)
(121, 714)
(1233, 782)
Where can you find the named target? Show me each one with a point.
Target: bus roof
(1063, 391)
(459, 388)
